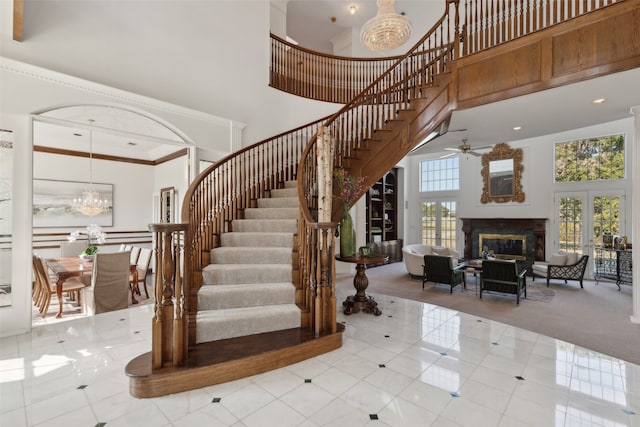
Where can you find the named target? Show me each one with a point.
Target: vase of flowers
(95, 236)
(350, 189)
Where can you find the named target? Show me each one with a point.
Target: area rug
(535, 292)
(595, 317)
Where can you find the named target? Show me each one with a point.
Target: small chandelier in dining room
(90, 203)
(387, 30)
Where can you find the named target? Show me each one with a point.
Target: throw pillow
(572, 258)
(558, 259)
(437, 250)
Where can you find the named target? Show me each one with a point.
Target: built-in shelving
(382, 217)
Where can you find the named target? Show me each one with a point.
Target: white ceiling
(309, 22)
(106, 130)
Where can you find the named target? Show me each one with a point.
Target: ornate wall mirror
(501, 173)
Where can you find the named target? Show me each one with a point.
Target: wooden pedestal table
(360, 301)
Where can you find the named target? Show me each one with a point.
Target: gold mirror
(501, 173)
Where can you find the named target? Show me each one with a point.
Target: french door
(439, 223)
(581, 219)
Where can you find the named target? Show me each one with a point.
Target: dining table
(67, 267)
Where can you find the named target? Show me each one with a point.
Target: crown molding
(141, 101)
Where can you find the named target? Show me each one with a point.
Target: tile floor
(415, 365)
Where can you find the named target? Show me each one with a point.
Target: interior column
(635, 235)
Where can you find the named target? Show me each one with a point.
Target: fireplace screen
(504, 246)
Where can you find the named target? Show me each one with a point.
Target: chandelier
(386, 30)
(90, 203)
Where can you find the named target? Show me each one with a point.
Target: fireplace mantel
(536, 226)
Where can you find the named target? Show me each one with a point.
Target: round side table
(360, 301)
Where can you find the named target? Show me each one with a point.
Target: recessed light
(352, 9)
(599, 101)
(517, 128)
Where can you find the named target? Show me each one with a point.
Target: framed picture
(53, 204)
(167, 204)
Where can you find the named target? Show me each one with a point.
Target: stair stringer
(405, 132)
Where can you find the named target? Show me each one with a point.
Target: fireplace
(504, 246)
(530, 231)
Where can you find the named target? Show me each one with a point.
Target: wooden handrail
(222, 192)
(315, 75)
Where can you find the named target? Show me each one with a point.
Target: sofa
(414, 257)
(563, 266)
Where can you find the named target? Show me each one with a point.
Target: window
(440, 174)
(439, 223)
(590, 159)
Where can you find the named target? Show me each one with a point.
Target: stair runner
(248, 286)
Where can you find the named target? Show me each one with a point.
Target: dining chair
(109, 283)
(135, 253)
(142, 267)
(44, 288)
(70, 249)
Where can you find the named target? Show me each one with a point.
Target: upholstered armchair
(503, 276)
(562, 266)
(440, 269)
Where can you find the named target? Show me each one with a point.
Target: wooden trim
(227, 360)
(64, 152)
(18, 19)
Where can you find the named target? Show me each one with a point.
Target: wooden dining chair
(109, 283)
(142, 267)
(44, 288)
(135, 253)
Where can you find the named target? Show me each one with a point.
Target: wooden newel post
(168, 328)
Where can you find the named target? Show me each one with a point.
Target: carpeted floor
(596, 317)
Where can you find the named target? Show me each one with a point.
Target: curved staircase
(248, 287)
(246, 283)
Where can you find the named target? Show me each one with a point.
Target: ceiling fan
(465, 148)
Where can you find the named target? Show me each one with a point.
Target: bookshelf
(382, 217)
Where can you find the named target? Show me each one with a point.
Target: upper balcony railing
(480, 24)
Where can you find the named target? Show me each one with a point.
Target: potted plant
(350, 189)
(95, 236)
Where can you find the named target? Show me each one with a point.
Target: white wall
(133, 186)
(210, 56)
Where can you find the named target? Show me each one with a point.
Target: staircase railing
(330, 78)
(222, 192)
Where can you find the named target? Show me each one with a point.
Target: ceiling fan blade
(483, 147)
(452, 149)
(473, 153)
(448, 155)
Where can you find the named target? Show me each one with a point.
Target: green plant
(94, 235)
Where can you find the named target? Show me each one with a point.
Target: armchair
(557, 269)
(440, 269)
(503, 276)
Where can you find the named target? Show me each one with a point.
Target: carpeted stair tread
(248, 288)
(236, 322)
(268, 225)
(224, 274)
(271, 213)
(254, 255)
(278, 202)
(216, 297)
(251, 239)
(284, 192)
